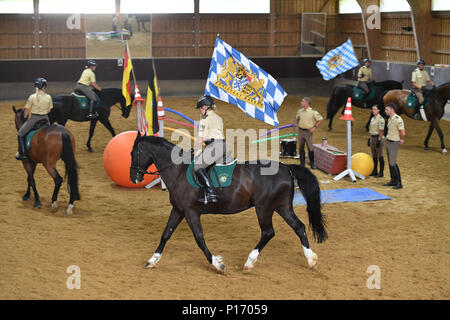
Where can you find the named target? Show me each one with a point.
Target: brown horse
(434, 111)
(49, 145)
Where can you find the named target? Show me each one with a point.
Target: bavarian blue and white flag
(337, 61)
(235, 79)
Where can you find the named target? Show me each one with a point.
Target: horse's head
(140, 160)
(19, 117)
(126, 109)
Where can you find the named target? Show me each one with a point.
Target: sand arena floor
(114, 230)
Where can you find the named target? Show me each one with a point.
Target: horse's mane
(21, 113)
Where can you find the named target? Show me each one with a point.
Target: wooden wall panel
(441, 39)
(16, 36)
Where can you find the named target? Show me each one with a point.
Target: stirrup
(19, 156)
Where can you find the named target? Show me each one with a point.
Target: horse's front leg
(91, 134)
(29, 168)
(441, 135)
(108, 126)
(430, 131)
(57, 179)
(193, 219)
(174, 220)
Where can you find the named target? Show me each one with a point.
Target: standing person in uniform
(39, 105)
(307, 121)
(365, 76)
(395, 136)
(86, 81)
(375, 142)
(419, 80)
(210, 132)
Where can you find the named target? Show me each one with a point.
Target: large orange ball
(362, 163)
(117, 160)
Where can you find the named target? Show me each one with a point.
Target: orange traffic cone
(161, 113)
(137, 96)
(348, 111)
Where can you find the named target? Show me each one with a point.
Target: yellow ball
(362, 163)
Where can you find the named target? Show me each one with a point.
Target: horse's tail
(331, 103)
(68, 157)
(309, 187)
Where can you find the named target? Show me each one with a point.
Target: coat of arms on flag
(337, 61)
(235, 79)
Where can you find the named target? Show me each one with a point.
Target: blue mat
(343, 195)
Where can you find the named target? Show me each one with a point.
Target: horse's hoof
(312, 262)
(37, 204)
(217, 262)
(444, 151)
(151, 263)
(54, 207)
(248, 268)
(90, 150)
(26, 197)
(426, 148)
(69, 210)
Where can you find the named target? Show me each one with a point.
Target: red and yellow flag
(127, 69)
(151, 111)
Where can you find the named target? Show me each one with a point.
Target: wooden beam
(36, 28)
(422, 22)
(196, 28)
(373, 36)
(272, 31)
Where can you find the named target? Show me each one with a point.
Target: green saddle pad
(83, 101)
(220, 175)
(359, 93)
(411, 101)
(29, 138)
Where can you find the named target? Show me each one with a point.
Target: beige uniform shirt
(420, 77)
(395, 124)
(308, 117)
(376, 124)
(211, 126)
(365, 74)
(39, 103)
(87, 77)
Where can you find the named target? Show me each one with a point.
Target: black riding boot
(380, 172)
(393, 181)
(375, 167)
(207, 187)
(22, 155)
(302, 157)
(398, 185)
(311, 160)
(417, 115)
(91, 115)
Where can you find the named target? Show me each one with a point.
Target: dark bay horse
(66, 107)
(434, 111)
(49, 145)
(339, 95)
(249, 188)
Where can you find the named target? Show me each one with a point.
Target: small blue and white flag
(235, 79)
(337, 61)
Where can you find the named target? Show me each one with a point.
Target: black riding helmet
(40, 83)
(91, 63)
(366, 60)
(420, 61)
(205, 100)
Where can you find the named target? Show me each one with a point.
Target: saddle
(220, 174)
(412, 101)
(37, 126)
(360, 94)
(83, 101)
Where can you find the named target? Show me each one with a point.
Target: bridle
(144, 171)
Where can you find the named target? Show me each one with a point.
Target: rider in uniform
(375, 142)
(365, 77)
(39, 105)
(419, 80)
(87, 80)
(210, 132)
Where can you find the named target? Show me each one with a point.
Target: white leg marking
(54, 206)
(311, 257)
(217, 262)
(69, 209)
(444, 151)
(252, 257)
(151, 263)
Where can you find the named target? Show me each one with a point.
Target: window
(78, 6)
(394, 6)
(157, 6)
(349, 6)
(440, 5)
(234, 6)
(16, 6)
